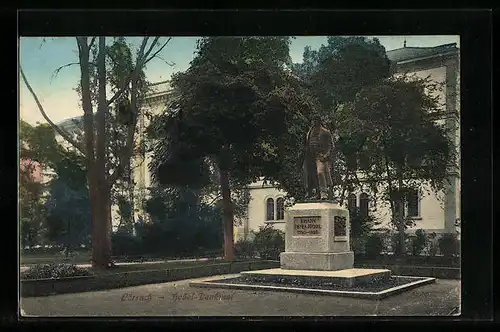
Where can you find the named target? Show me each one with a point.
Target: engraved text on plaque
(307, 226)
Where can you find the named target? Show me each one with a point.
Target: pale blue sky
(40, 60)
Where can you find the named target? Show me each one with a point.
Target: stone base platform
(317, 261)
(372, 291)
(348, 277)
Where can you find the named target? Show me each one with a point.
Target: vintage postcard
(240, 176)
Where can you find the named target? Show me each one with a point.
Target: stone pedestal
(317, 237)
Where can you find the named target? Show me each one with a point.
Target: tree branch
(102, 109)
(86, 98)
(59, 130)
(153, 44)
(142, 48)
(218, 197)
(128, 150)
(166, 62)
(56, 72)
(92, 43)
(158, 51)
(121, 90)
(127, 153)
(113, 59)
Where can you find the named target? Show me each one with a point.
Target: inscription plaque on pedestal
(339, 228)
(307, 226)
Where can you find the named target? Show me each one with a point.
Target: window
(351, 203)
(280, 208)
(363, 204)
(270, 209)
(412, 202)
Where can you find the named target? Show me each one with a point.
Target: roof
(72, 124)
(158, 88)
(413, 53)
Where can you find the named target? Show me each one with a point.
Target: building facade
(155, 103)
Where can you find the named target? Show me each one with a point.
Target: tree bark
(401, 229)
(101, 249)
(101, 237)
(227, 208)
(93, 176)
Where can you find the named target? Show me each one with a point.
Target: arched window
(364, 201)
(413, 204)
(270, 209)
(351, 203)
(280, 208)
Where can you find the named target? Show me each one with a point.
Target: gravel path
(179, 299)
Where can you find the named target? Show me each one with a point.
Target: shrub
(358, 245)
(244, 249)
(395, 244)
(373, 245)
(431, 246)
(361, 225)
(448, 244)
(385, 236)
(418, 242)
(269, 242)
(123, 244)
(54, 271)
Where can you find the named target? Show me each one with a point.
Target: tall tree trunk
(109, 229)
(92, 170)
(97, 241)
(401, 217)
(68, 242)
(227, 207)
(101, 248)
(130, 188)
(102, 233)
(397, 208)
(110, 222)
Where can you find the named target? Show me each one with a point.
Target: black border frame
(474, 28)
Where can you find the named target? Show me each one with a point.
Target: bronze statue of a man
(317, 162)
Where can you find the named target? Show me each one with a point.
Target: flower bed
(54, 271)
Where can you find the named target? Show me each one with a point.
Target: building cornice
(425, 63)
(434, 56)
